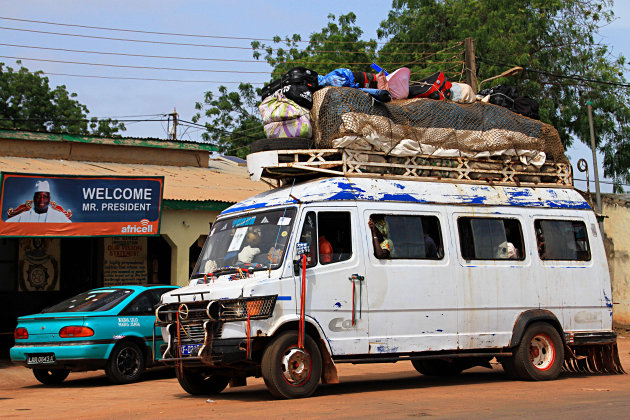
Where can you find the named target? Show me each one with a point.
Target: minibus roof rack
(302, 164)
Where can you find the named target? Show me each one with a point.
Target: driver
(252, 249)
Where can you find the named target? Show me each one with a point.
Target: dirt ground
(366, 391)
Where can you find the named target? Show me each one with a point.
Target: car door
(336, 303)
(138, 318)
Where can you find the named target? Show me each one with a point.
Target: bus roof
(386, 190)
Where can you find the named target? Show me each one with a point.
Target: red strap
(249, 339)
(302, 303)
(353, 299)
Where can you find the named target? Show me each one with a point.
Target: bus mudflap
(593, 358)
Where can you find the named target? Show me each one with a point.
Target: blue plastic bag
(338, 77)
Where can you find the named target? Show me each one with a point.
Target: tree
(28, 103)
(554, 40)
(338, 44)
(234, 119)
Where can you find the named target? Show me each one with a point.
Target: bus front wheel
(289, 371)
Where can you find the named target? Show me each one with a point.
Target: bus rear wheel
(540, 354)
(291, 372)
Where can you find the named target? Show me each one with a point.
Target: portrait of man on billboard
(40, 209)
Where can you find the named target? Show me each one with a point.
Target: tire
(199, 382)
(288, 371)
(540, 354)
(51, 376)
(438, 367)
(290, 143)
(125, 364)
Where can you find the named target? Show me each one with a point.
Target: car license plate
(40, 359)
(188, 349)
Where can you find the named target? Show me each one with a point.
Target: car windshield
(92, 301)
(254, 242)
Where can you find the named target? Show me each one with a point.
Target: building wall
(618, 250)
(181, 229)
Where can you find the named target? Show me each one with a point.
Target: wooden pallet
(285, 165)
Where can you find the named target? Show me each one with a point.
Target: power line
(603, 182)
(206, 36)
(185, 44)
(150, 79)
(191, 58)
(560, 76)
(135, 67)
(134, 55)
(91, 119)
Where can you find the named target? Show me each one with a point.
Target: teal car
(111, 328)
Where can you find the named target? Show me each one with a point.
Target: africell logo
(143, 227)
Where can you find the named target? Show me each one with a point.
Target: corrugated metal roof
(220, 182)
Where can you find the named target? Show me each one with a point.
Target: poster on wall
(55, 205)
(38, 264)
(125, 261)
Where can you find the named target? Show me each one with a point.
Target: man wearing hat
(40, 209)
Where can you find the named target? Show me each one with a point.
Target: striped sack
(277, 107)
(297, 127)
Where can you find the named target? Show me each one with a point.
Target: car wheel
(438, 367)
(199, 382)
(540, 354)
(291, 372)
(125, 364)
(51, 376)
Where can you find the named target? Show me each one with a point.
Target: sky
(146, 99)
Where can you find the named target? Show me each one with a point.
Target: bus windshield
(254, 242)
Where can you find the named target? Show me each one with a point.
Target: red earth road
(366, 391)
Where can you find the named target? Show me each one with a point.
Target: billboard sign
(57, 205)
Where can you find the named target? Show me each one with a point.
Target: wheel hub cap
(296, 366)
(541, 352)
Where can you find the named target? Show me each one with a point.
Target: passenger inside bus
(383, 246)
(325, 250)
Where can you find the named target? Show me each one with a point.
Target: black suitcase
(365, 80)
(271, 88)
(301, 75)
(298, 93)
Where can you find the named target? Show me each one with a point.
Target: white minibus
(446, 275)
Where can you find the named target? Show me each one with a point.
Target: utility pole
(595, 169)
(469, 62)
(173, 130)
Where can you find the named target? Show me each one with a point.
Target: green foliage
(234, 120)
(28, 103)
(336, 45)
(550, 38)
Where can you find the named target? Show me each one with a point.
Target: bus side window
(562, 240)
(485, 238)
(411, 237)
(334, 236)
